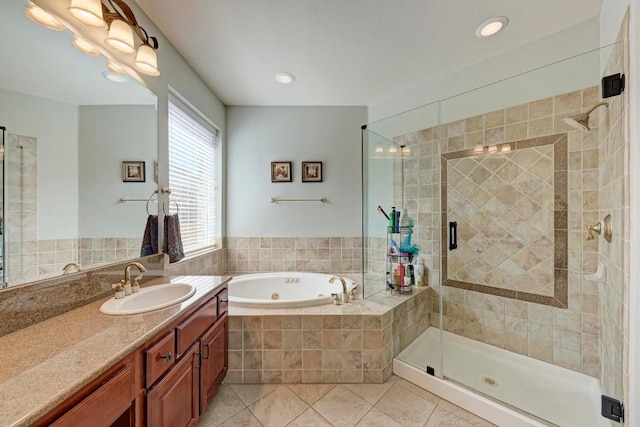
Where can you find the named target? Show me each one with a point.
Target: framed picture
(280, 171)
(133, 171)
(311, 171)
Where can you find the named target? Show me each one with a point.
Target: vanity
(159, 368)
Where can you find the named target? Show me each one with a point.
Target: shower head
(581, 121)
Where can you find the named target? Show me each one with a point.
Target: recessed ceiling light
(116, 78)
(285, 78)
(491, 26)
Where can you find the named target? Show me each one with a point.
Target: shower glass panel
(401, 170)
(522, 187)
(502, 191)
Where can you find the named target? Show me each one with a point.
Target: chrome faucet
(72, 265)
(345, 294)
(127, 271)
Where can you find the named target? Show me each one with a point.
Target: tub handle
(336, 299)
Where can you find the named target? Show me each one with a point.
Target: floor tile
(465, 415)
(310, 418)
(278, 408)
(375, 418)
(369, 392)
(311, 393)
(444, 418)
(341, 407)
(250, 393)
(418, 390)
(243, 419)
(405, 407)
(224, 405)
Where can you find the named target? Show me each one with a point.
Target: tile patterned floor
(395, 403)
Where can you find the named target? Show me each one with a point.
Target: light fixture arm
(122, 11)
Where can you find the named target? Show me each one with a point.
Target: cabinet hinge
(612, 409)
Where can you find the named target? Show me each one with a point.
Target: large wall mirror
(68, 131)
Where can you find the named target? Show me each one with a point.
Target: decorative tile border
(560, 294)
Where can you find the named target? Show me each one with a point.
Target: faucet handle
(336, 299)
(135, 287)
(119, 290)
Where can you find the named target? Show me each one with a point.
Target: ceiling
(346, 52)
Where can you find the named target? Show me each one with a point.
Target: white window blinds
(194, 178)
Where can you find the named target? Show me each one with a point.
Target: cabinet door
(214, 360)
(173, 402)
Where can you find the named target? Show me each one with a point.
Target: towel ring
(151, 199)
(167, 208)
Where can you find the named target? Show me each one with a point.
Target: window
(194, 175)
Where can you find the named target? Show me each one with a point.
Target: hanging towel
(150, 238)
(172, 238)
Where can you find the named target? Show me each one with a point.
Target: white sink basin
(149, 299)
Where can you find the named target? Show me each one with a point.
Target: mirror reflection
(69, 130)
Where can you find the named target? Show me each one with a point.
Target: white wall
(109, 135)
(564, 44)
(257, 136)
(55, 125)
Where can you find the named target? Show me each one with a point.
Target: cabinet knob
(166, 357)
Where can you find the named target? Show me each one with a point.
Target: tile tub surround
(36, 302)
(349, 343)
(46, 363)
(309, 254)
(395, 403)
(569, 337)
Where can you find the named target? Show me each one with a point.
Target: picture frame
(133, 171)
(311, 171)
(281, 172)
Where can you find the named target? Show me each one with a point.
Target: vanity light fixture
(285, 78)
(120, 37)
(114, 68)
(491, 26)
(36, 14)
(379, 148)
(88, 12)
(84, 47)
(393, 149)
(114, 15)
(505, 148)
(478, 149)
(406, 149)
(493, 148)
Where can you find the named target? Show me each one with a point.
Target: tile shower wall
(309, 254)
(565, 337)
(612, 177)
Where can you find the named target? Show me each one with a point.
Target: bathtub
(284, 290)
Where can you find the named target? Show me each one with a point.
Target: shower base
(547, 392)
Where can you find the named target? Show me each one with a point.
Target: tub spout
(345, 294)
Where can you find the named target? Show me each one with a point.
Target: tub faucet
(345, 294)
(72, 265)
(127, 271)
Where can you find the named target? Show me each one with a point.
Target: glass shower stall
(503, 188)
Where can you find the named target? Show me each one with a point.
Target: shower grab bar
(274, 200)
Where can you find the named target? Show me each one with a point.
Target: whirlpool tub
(284, 290)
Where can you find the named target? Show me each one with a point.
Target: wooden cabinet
(214, 348)
(109, 400)
(174, 400)
(179, 370)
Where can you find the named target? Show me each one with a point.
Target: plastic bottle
(400, 269)
(392, 219)
(418, 271)
(408, 275)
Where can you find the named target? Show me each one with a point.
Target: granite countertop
(44, 364)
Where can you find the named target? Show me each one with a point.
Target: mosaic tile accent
(510, 208)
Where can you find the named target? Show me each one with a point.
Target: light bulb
(506, 148)
(147, 61)
(493, 148)
(39, 16)
(478, 149)
(393, 149)
(120, 37)
(379, 148)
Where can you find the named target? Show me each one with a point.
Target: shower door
(521, 324)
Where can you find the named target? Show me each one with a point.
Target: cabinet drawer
(105, 405)
(159, 358)
(223, 302)
(191, 329)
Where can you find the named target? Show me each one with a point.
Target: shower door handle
(453, 235)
